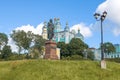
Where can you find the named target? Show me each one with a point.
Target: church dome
(66, 27)
(79, 35)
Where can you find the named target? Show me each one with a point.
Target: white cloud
(26, 28)
(113, 9)
(12, 44)
(84, 30)
(116, 31)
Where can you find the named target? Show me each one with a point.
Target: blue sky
(16, 14)
(19, 12)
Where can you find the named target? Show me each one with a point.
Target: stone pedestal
(50, 50)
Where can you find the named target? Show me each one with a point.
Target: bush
(73, 57)
(90, 55)
(114, 60)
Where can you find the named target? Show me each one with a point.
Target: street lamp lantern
(96, 15)
(101, 18)
(105, 13)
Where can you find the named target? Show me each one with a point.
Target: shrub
(114, 60)
(73, 57)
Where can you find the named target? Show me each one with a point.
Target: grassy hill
(57, 70)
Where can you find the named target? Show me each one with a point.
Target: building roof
(78, 35)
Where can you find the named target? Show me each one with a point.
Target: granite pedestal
(50, 50)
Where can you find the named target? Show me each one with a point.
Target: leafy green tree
(63, 49)
(77, 46)
(17, 37)
(37, 48)
(3, 40)
(38, 40)
(27, 40)
(22, 39)
(6, 52)
(90, 54)
(108, 47)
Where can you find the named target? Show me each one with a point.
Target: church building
(61, 35)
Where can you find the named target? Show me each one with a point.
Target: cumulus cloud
(116, 31)
(84, 30)
(26, 28)
(113, 9)
(12, 44)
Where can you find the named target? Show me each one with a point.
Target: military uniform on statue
(50, 46)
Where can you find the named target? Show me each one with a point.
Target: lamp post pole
(101, 18)
(102, 51)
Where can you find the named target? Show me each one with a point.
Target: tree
(27, 40)
(90, 54)
(108, 47)
(6, 52)
(3, 40)
(17, 38)
(37, 48)
(22, 39)
(63, 49)
(77, 46)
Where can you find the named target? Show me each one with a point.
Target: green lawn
(57, 70)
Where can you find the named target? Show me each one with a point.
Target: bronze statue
(50, 29)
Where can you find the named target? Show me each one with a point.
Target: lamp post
(101, 18)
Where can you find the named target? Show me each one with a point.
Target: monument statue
(50, 46)
(50, 29)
